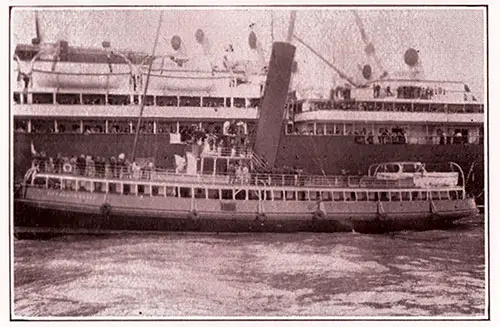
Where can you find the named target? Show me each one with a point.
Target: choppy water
(433, 273)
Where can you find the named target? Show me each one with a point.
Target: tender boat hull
(46, 211)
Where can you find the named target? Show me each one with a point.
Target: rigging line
(146, 89)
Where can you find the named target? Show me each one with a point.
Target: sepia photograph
(258, 162)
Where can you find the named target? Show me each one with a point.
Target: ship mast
(143, 101)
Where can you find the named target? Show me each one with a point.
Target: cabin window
(435, 195)
(453, 195)
(20, 126)
(303, 196)
(54, 183)
(290, 195)
(93, 126)
(372, 196)
(361, 196)
(185, 192)
(166, 101)
(213, 102)
(239, 102)
(147, 127)
(416, 196)
(199, 193)
(163, 127)
(314, 195)
(118, 99)
(171, 191)
(395, 196)
(326, 196)
(69, 185)
(99, 187)
(155, 190)
(128, 189)
(423, 196)
(265, 195)
(213, 194)
(227, 194)
(253, 195)
(113, 188)
(277, 195)
(350, 196)
(150, 100)
(43, 98)
(42, 126)
(444, 195)
(338, 196)
(68, 99)
(189, 102)
(384, 196)
(240, 195)
(17, 97)
(93, 99)
(405, 196)
(120, 126)
(141, 189)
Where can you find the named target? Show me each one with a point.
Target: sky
(450, 41)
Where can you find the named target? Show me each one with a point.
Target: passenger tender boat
(203, 195)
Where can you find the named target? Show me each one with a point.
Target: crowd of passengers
(89, 166)
(399, 107)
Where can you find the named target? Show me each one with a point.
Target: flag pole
(141, 111)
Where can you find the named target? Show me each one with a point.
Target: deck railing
(258, 179)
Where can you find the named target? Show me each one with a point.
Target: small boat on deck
(214, 192)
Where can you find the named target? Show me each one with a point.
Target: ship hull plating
(44, 211)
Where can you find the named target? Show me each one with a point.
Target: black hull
(32, 221)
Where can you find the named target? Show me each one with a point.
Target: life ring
(67, 168)
(318, 215)
(106, 209)
(193, 215)
(260, 216)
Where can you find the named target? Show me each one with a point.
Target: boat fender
(106, 209)
(193, 215)
(260, 216)
(67, 168)
(318, 215)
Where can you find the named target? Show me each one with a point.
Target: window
(350, 196)
(39, 182)
(302, 196)
(384, 196)
(185, 192)
(416, 196)
(277, 195)
(227, 194)
(68, 98)
(99, 187)
(326, 196)
(405, 196)
(54, 183)
(141, 189)
(435, 195)
(361, 196)
(118, 99)
(113, 188)
(240, 195)
(17, 97)
(395, 196)
(338, 196)
(169, 101)
(43, 98)
(127, 189)
(444, 195)
(171, 191)
(372, 196)
(199, 193)
(253, 195)
(213, 194)
(290, 195)
(93, 99)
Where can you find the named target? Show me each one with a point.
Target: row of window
(242, 194)
(124, 99)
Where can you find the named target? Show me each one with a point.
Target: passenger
(136, 171)
(89, 166)
(245, 174)
(58, 163)
(73, 162)
(113, 165)
(80, 165)
(50, 167)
